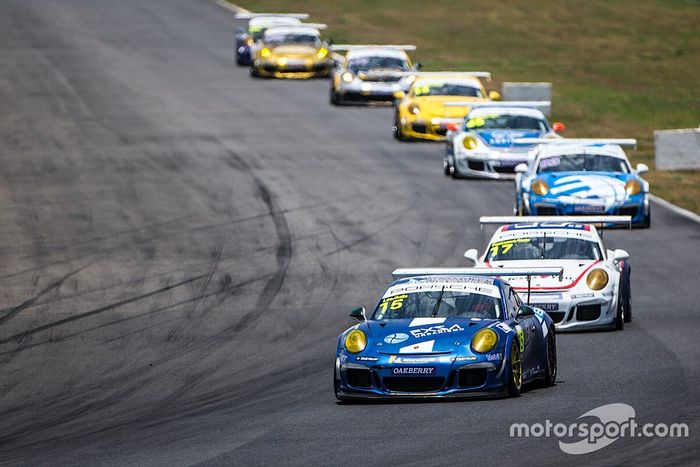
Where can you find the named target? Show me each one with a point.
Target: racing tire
(447, 167)
(398, 133)
(628, 294)
(253, 72)
(335, 99)
(620, 318)
(646, 223)
(515, 370)
(550, 374)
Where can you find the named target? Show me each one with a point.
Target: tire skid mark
(12, 312)
(19, 337)
(283, 256)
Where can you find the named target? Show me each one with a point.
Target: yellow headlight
(322, 52)
(597, 279)
(355, 341)
(347, 77)
(249, 41)
(540, 187)
(413, 108)
(264, 53)
(469, 143)
(632, 187)
(484, 341)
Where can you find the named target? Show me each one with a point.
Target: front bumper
(577, 310)
(544, 207)
(493, 166)
(368, 92)
(434, 129)
(300, 69)
(449, 378)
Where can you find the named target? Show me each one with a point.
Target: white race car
(484, 145)
(595, 291)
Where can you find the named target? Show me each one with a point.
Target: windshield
(292, 38)
(581, 163)
(527, 248)
(446, 89)
(369, 63)
(507, 122)
(438, 303)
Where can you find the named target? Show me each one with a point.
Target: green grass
(620, 68)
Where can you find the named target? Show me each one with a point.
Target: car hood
(575, 270)
(422, 335)
(504, 138)
(591, 188)
(294, 51)
(434, 106)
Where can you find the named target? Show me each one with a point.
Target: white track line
(231, 7)
(677, 209)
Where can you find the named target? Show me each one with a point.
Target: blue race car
(583, 177)
(257, 24)
(485, 146)
(447, 333)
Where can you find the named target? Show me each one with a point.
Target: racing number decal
(392, 303)
(505, 245)
(521, 338)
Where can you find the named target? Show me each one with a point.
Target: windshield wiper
(437, 304)
(544, 244)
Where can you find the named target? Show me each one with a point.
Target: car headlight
(355, 341)
(469, 143)
(597, 279)
(484, 341)
(264, 53)
(249, 41)
(632, 187)
(413, 108)
(347, 77)
(322, 52)
(540, 187)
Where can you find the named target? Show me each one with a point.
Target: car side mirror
(620, 255)
(558, 127)
(525, 311)
(358, 313)
(641, 168)
(521, 168)
(418, 66)
(472, 255)
(495, 96)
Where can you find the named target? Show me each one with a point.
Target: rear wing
(487, 272)
(319, 26)
(447, 74)
(258, 15)
(628, 142)
(504, 104)
(523, 220)
(349, 47)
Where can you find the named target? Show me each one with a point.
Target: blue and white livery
(485, 146)
(583, 177)
(447, 333)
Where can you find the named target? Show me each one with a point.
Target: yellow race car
(292, 52)
(422, 113)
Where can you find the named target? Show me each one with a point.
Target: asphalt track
(181, 244)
